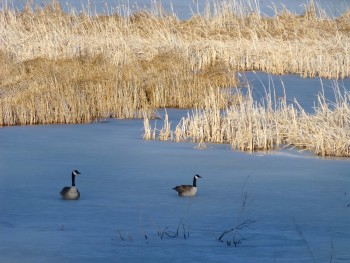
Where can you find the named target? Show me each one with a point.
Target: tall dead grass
(58, 68)
(311, 44)
(83, 89)
(266, 125)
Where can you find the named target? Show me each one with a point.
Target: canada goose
(188, 190)
(71, 193)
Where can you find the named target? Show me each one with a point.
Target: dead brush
(269, 124)
(326, 132)
(60, 91)
(125, 236)
(232, 32)
(61, 67)
(181, 231)
(234, 236)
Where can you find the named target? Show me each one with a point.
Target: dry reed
(70, 68)
(269, 124)
(86, 88)
(311, 44)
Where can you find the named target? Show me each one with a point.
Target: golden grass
(66, 91)
(266, 125)
(308, 44)
(71, 68)
(85, 88)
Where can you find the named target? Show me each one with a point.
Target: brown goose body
(188, 190)
(71, 192)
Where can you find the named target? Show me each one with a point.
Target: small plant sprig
(236, 231)
(125, 236)
(181, 231)
(142, 225)
(171, 234)
(235, 241)
(348, 201)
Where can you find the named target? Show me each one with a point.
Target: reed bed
(311, 44)
(266, 125)
(61, 67)
(86, 88)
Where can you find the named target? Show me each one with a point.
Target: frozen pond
(299, 202)
(304, 91)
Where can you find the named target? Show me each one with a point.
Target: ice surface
(304, 91)
(299, 201)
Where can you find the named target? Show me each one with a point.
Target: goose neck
(73, 179)
(194, 181)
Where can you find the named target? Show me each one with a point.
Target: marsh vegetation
(265, 125)
(58, 67)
